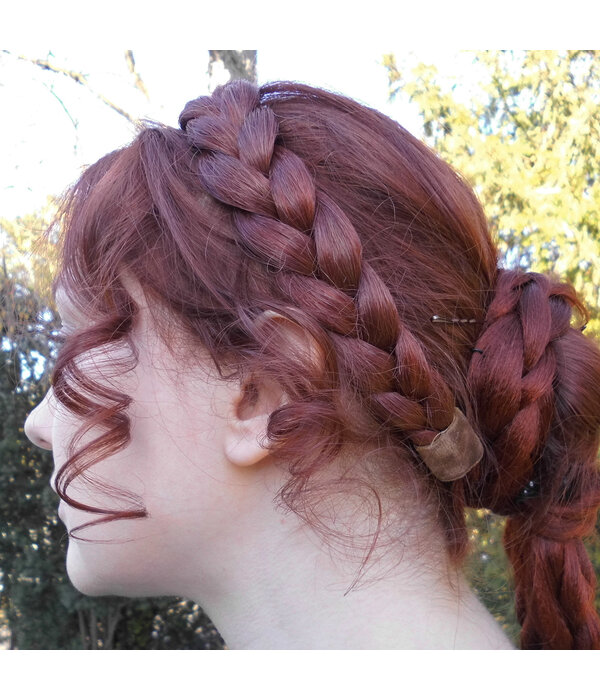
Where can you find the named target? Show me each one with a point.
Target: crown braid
(295, 229)
(287, 224)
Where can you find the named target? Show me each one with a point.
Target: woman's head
(293, 200)
(187, 464)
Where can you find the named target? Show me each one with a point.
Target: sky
(54, 126)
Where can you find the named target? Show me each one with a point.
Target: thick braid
(511, 381)
(543, 442)
(292, 227)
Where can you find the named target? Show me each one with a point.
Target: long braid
(543, 443)
(285, 222)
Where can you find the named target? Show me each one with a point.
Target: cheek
(108, 367)
(174, 465)
(176, 436)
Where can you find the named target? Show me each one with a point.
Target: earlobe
(242, 443)
(246, 441)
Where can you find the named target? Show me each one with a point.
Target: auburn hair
(300, 201)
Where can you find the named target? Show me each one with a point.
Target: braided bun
(537, 391)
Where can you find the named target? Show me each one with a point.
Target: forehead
(155, 332)
(134, 289)
(63, 304)
(145, 319)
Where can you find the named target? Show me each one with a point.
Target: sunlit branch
(78, 78)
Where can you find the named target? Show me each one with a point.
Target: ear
(253, 403)
(246, 443)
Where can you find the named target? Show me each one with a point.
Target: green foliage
(168, 624)
(528, 142)
(30, 531)
(488, 570)
(26, 260)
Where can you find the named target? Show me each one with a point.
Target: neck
(294, 595)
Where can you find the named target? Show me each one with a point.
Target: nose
(38, 426)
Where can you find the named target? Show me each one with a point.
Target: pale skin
(216, 535)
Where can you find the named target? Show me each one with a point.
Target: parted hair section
(291, 199)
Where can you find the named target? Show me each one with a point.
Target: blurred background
(522, 126)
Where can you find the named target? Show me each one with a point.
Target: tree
(529, 144)
(239, 64)
(236, 64)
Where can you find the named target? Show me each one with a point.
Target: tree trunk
(112, 620)
(93, 629)
(82, 632)
(240, 64)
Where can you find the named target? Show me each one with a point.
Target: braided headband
(455, 450)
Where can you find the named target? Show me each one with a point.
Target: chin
(101, 570)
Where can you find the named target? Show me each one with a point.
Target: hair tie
(454, 451)
(457, 449)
